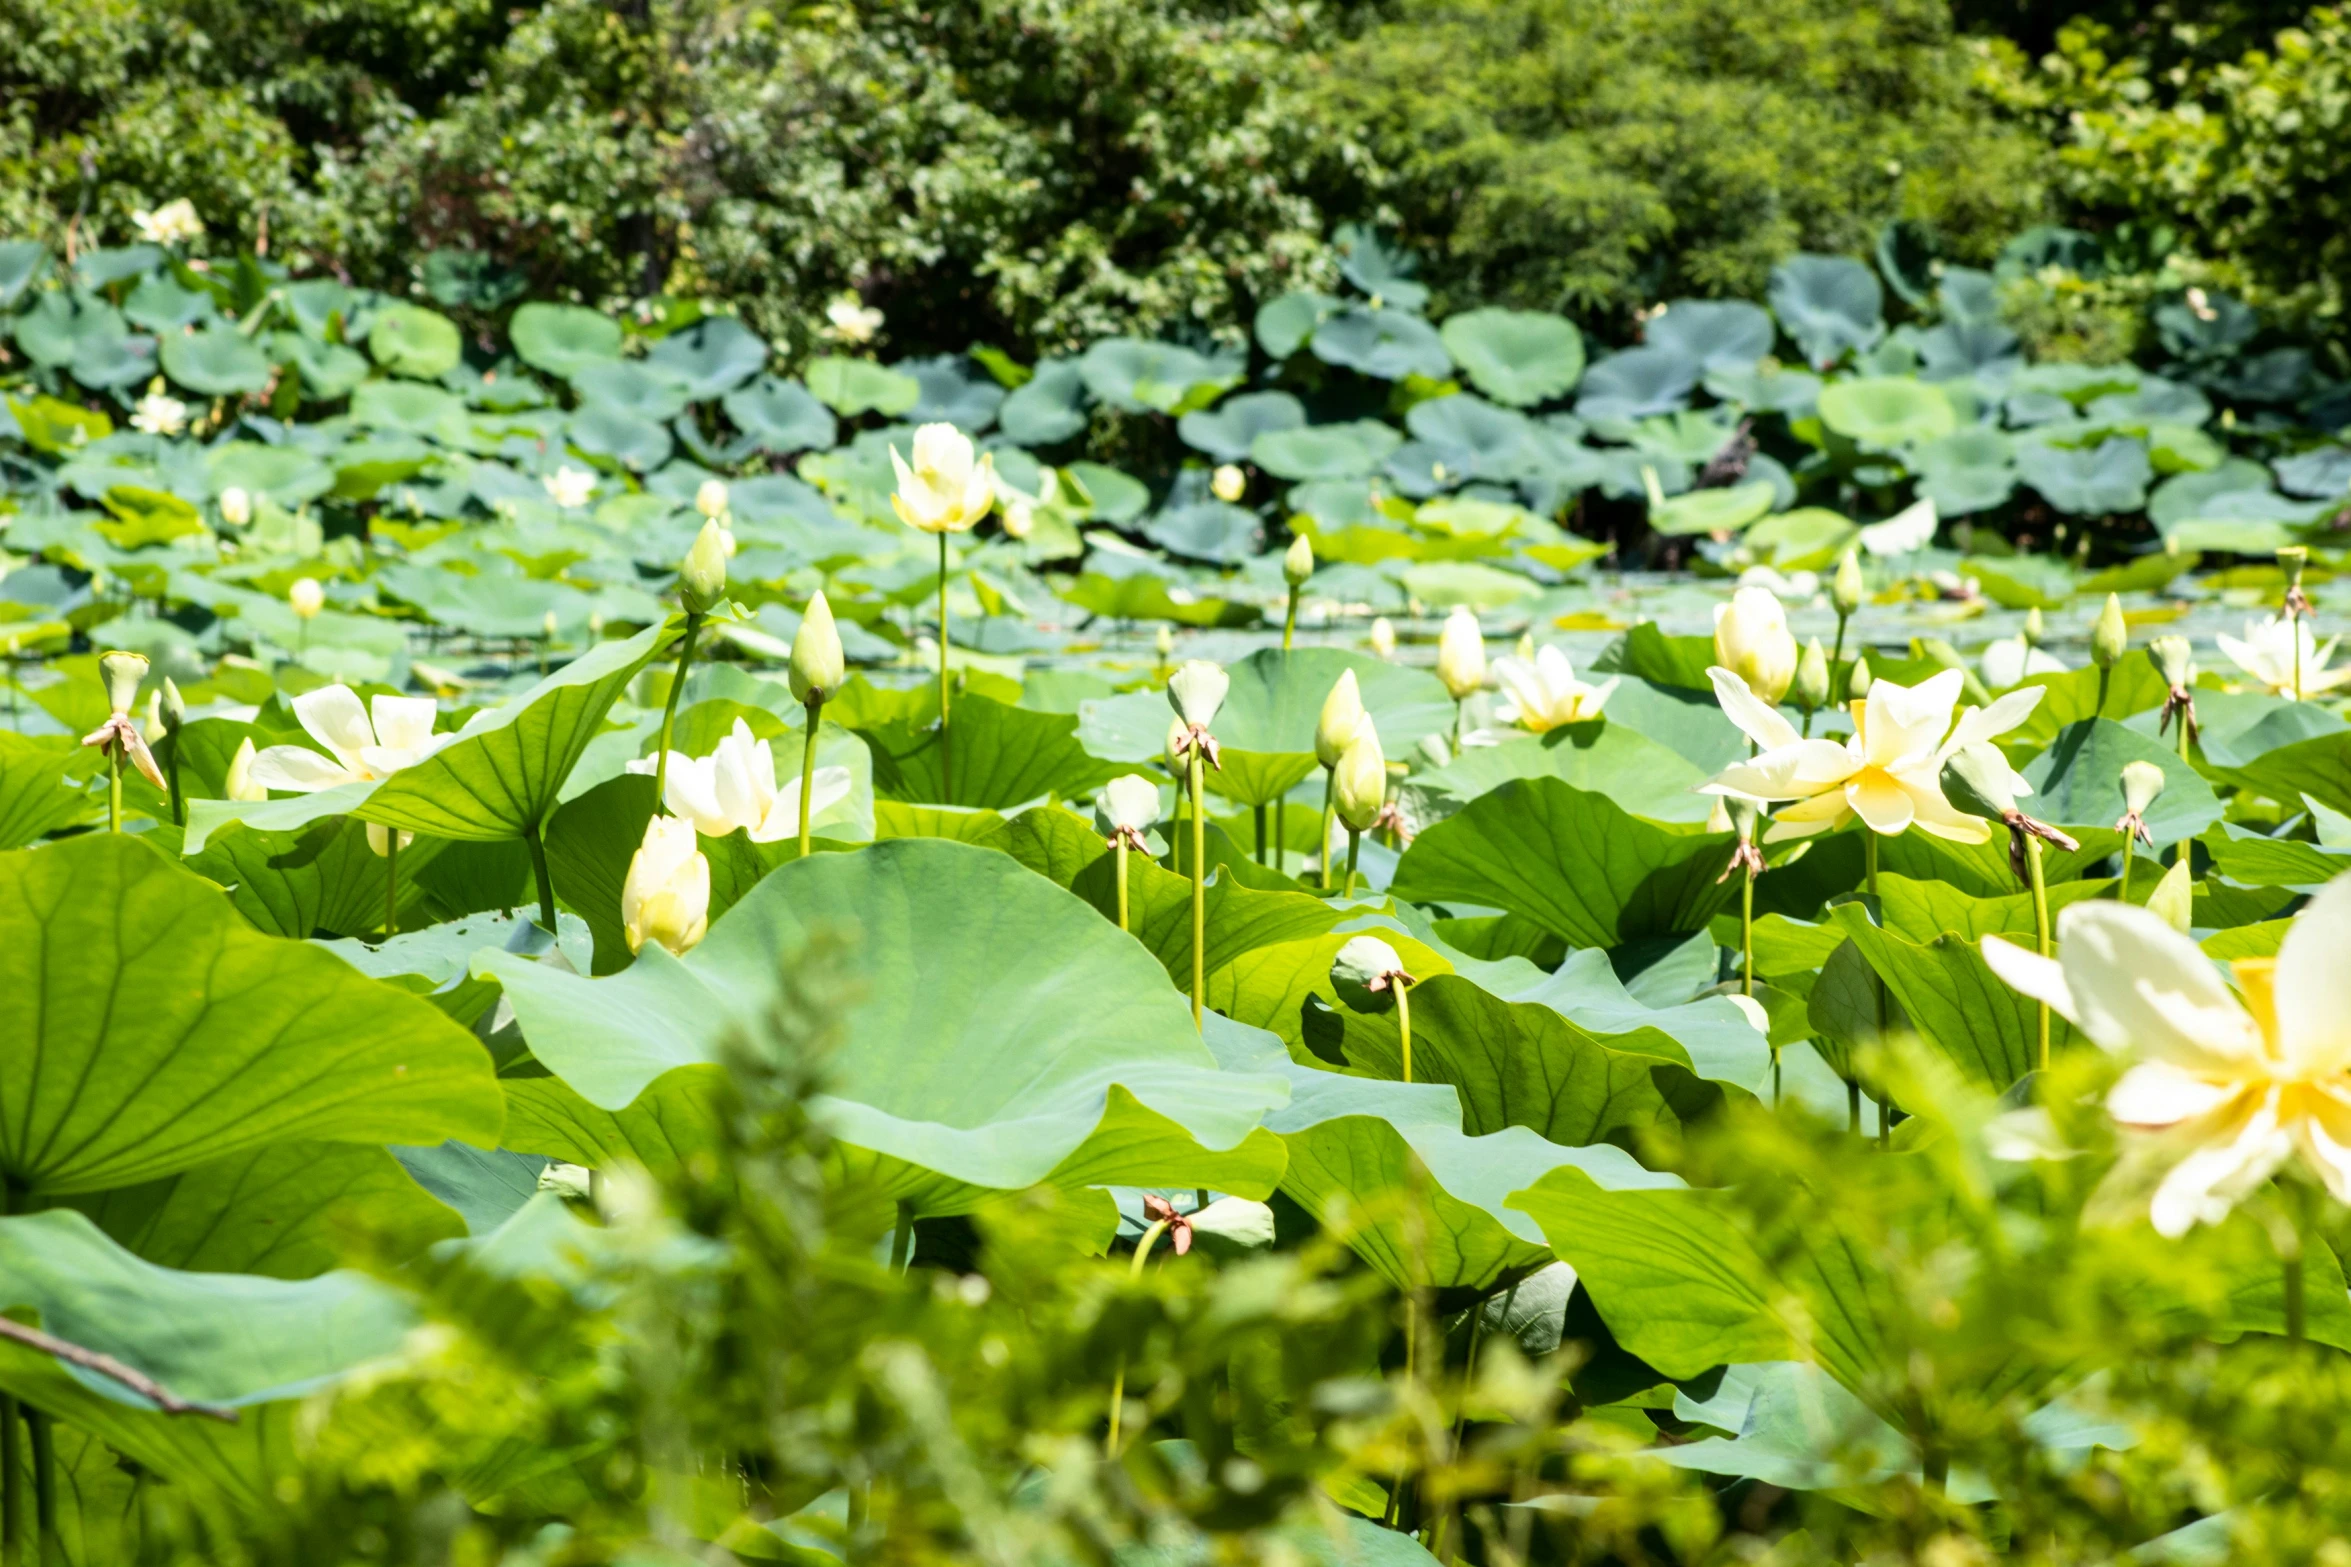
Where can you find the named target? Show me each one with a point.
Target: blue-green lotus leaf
(563, 339)
(58, 323)
(328, 371)
(605, 431)
(2109, 477)
(1716, 334)
(2322, 473)
(113, 361)
(220, 362)
(1381, 269)
(1137, 376)
(1885, 413)
(1226, 431)
(22, 261)
(160, 304)
(714, 355)
(413, 341)
(1207, 530)
(954, 391)
(1830, 305)
(1284, 324)
(782, 416)
(1519, 357)
(631, 387)
(850, 387)
(1048, 408)
(412, 408)
(1325, 451)
(1636, 383)
(1387, 345)
(1487, 442)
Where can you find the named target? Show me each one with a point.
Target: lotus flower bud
(122, 673)
(152, 725)
(2142, 782)
(1846, 588)
(239, 784)
(236, 506)
(1858, 679)
(702, 579)
(1461, 653)
(666, 898)
(2032, 627)
(1363, 974)
(174, 711)
(818, 665)
(379, 839)
(1342, 715)
(1359, 784)
(1383, 638)
(1128, 804)
(943, 490)
(2292, 558)
(1164, 643)
(1975, 780)
(1811, 688)
(1228, 483)
(306, 598)
(548, 625)
(1298, 561)
(1197, 690)
(2175, 658)
(710, 498)
(1752, 640)
(1179, 740)
(2110, 634)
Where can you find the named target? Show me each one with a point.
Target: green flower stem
(1869, 843)
(946, 749)
(1121, 851)
(11, 1486)
(2104, 675)
(1260, 835)
(1837, 682)
(2122, 893)
(902, 1239)
(114, 784)
(1281, 834)
(669, 715)
(1199, 885)
(1354, 844)
(171, 772)
(1323, 854)
(2184, 738)
(808, 771)
(1290, 625)
(538, 850)
(1118, 1383)
(39, 1427)
(1746, 932)
(391, 882)
(1404, 1021)
(2040, 880)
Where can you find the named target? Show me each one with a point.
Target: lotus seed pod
(2032, 627)
(711, 498)
(1359, 784)
(1975, 780)
(1197, 690)
(2110, 634)
(702, 579)
(1811, 688)
(122, 673)
(1461, 653)
(1846, 588)
(1360, 974)
(666, 897)
(236, 506)
(1179, 737)
(306, 598)
(1383, 637)
(2175, 658)
(818, 665)
(2142, 782)
(1228, 483)
(1752, 640)
(2292, 558)
(1342, 715)
(1298, 562)
(1858, 680)
(239, 784)
(1130, 802)
(174, 707)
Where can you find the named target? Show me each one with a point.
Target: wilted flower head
(2142, 782)
(666, 898)
(1126, 807)
(1367, 973)
(122, 673)
(945, 489)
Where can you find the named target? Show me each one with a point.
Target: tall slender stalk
(1260, 814)
(1404, 1021)
(1199, 776)
(391, 882)
(546, 882)
(1281, 834)
(2040, 880)
(1118, 1383)
(669, 709)
(808, 771)
(42, 1431)
(1323, 855)
(946, 747)
(171, 771)
(1121, 852)
(1869, 840)
(1354, 843)
(2123, 892)
(12, 1529)
(1290, 621)
(114, 787)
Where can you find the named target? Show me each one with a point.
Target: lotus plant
(1342, 715)
(2284, 657)
(1541, 693)
(1123, 812)
(666, 898)
(944, 490)
(817, 668)
(363, 744)
(1359, 790)
(702, 583)
(2142, 783)
(1367, 974)
(119, 736)
(2110, 636)
(1297, 567)
(1196, 691)
(734, 787)
(1461, 660)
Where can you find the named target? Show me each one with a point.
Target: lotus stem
(39, 1426)
(546, 882)
(1199, 887)
(2184, 736)
(1323, 854)
(2291, 1246)
(1118, 1383)
(1404, 1021)
(1261, 835)
(1836, 654)
(902, 1239)
(1746, 934)
(114, 787)
(669, 717)
(2040, 879)
(1290, 625)
(1354, 843)
(1281, 834)
(1121, 852)
(11, 1486)
(171, 772)
(2104, 675)
(391, 882)
(1869, 851)
(808, 771)
(946, 748)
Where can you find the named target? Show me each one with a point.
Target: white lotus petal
(332, 716)
(2312, 984)
(2027, 972)
(2141, 986)
(298, 769)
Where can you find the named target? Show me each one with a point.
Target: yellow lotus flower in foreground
(2267, 654)
(666, 898)
(1888, 773)
(1543, 694)
(2227, 1087)
(945, 489)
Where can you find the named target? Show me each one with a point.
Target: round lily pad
(1831, 306)
(220, 363)
(1049, 407)
(1883, 412)
(1324, 451)
(714, 355)
(563, 339)
(1717, 334)
(1387, 345)
(1518, 357)
(1225, 431)
(782, 416)
(413, 341)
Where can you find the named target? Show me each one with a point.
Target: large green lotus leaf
(322, 877)
(36, 794)
(436, 961)
(484, 1186)
(288, 815)
(221, 362)
(254, 1345)
(413, 341)
(2132, 686)
(2233, 728)
(564, 339)
(1831, 305)
(2109, 477)
(273, 1211)
(2257, 860)
(590, 841)
(1880, 413)
(674, 1119)
(500, 778)
(1003, 756)
(603, 430)
(850, 387)
(1387, 345)
(1710, 1033)
(1518, 357)
(2077, 782)
(1138, 376)
(1239, 919)
(1722, 510)
(1146, 595)
(154, 1031)
(1572, 860)
(1048, 408)
(714, 355)
(1054, 842)
(782, 416)
(1225, 432)
(1286, 989)
(1005, 1030)
(1605, 757)
(2319, 767)
(1324, 451)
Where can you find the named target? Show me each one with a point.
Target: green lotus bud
(1975, 780)
(818, 665)
(1858, 679)
(1846, 588)
(1197, 690)
(2142, 782)
(2175, 659)
(2292, 558)
(2110, 635)
(702, 579)
(1164, 642)
(1127, 804)
(1342, 715)
(1359, 784)
(2032, 626)
(1363, 974)
(1298, 561)
(122, 673)
(1811, 689)
(1383, 637)
(175, 707)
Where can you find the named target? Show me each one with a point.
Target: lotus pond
(609, 955)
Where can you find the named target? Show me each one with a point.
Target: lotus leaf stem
(1290, 622)
(1404, 1021)
(1261, 835)
(669, 711)
(114, 787)
(1869, 850)
(538, 848)
(11, 1486)
(1118, 1383)
(2040, 880)
(1323, 854)
(1199, 886)
(391, 882)
(1121, 851)
(902, 1239)
(946, 748)
(808, 770)
(38, 1425)
(2122, 893)
(1354, 844)
(1281, 834)
(1836, 655)
(171, 771)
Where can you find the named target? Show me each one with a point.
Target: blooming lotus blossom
(1888, 773)
(2268, 653)
(173, 223)
(851, 321)
(570, 487)
(735, 786)
(2011, 659)
(1545, 693)
(946, 489)
(666, 897)
(159, 413)
(2226, 1087)
(363, 743)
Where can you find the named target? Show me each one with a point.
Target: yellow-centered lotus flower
(1888, 773)
(1545, 693)
(370, 742)
(2227, 1086)
(945, 489)
(570, 487)
(1752, 640)
(666, 898)
(735, 786)
(2268, 654)
(159, 413)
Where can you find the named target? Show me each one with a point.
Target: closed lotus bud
(1359, 784)
(944, 490)
(1342, 715)
(1298, 562)
(236, 506)
(2175, 657)
(2032, 627)
(2292, 558)
(239, 784)
(702, 579)
(1752, 640)
(306, 598)
(1461, 654)
(1846, 588)
(122, 673)
(1383, 637)
(666, 898)
(1975, 780)
(1197, 690)
(547, 625)
(1228, 483)
(710, 498)
(1858, 680)
(1362, 974)
(2142, 782)
(175, 707)
(818, 665)
(1126, 804)
(1811, 688)
(2110, 634)
(1164, 643)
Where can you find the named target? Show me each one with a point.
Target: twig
(107, 1366)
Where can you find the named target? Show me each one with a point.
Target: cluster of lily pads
(401, 810)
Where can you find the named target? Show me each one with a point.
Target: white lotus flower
(946, 489)
(2267, 654)
(1544, 694)
(159, 413)
(1228, 483)
(173, 223)
(710, 498)
(2227, 1086)
(305, 597)
(2011, 659)
(236, 506)
(666, 897)
(1888, 773)
(1911, 528)
(851, 321)
(735, 786)
(371, 742)
(570, 487)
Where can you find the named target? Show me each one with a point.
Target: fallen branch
(107, 1366)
